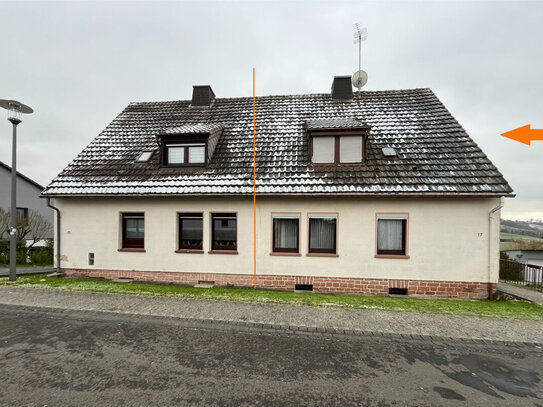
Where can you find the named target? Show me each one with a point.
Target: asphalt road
(74, 358)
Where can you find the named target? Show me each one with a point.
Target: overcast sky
(78, 64)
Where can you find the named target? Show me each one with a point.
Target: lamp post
(15, 112)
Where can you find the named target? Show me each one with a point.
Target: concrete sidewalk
(4, 271)
(520, 292)
(312, 318)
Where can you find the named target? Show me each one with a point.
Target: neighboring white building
(28, 196)
(534, 257)
(378, 192)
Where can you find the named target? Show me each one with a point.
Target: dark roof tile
(414, 122)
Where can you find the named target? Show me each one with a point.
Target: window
(337, 149)
(392, 234)
(191, 231)
(350, 150)
(22, 214)
(133, 231)
(224, 231)
(185, 154)
(323, 149)
(144, 156)
(286, 233)
(322, 233)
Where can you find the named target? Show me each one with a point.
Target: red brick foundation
(375, 286)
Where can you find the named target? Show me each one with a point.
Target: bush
(37, 256)
(4, 251)
(41, 256)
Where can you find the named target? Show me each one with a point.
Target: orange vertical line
(254, 182)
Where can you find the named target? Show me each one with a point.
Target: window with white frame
(286, 233)
(323, 233)
(392, 234)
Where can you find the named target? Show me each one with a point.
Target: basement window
(303, 287)
(397, 291)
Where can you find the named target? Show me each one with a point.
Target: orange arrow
(524, 134)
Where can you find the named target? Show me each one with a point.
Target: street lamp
(15, 111)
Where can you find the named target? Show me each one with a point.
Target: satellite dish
(360, 78)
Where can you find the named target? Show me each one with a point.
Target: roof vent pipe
(342, 88)
(202, 96)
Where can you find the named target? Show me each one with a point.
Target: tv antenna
(360, 77)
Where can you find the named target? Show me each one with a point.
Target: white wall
(448, 238)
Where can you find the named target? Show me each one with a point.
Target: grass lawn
(519, 236)
(508, 309)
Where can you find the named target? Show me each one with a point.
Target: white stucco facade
(449, 239)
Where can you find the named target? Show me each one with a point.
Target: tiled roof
(340, 123)
(197, 128)
(435, 155)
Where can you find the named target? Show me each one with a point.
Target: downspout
(490, 216)
(57, 239)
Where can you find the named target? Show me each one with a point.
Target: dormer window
(189, 145)
(185, 154)
(337, 141)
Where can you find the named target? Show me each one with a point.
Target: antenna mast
(360, 34)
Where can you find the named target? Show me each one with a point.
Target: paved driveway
(4, 271)
(74, 358)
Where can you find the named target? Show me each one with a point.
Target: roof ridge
(296, 95)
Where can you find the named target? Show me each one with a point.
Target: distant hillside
(525, 235)
(531, 228)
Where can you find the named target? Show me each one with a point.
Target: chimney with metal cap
(342, 88)
(202, 96)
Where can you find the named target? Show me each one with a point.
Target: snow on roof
(435, 156)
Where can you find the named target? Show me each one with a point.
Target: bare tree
(33, 228)
(4, 223)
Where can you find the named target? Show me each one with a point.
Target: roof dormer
(337, 141)
(189, 145)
